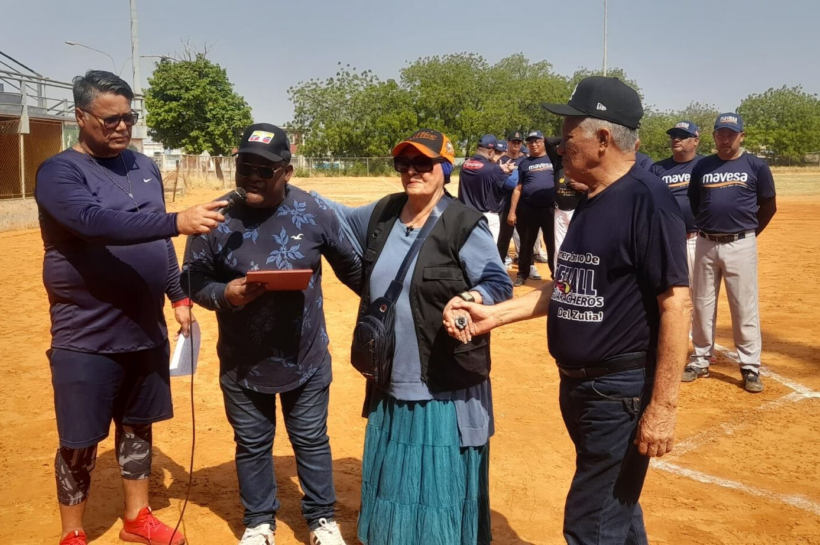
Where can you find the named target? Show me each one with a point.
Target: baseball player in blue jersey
(482, 180)
(676, 172)
(732, 197)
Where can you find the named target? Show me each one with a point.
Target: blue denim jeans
(253, 418)
(601, 416)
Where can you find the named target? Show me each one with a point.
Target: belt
(693, 234)
(624, 362)
(723, 239)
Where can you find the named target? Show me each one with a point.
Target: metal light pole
(97, 50)
(606, 10)
(135, 49)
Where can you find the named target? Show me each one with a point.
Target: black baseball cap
(604, 98)
(515, 135)
(266, 140)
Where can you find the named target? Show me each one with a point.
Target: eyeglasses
(112, 122)
(680, 136)
(246, 170)
(420, 164)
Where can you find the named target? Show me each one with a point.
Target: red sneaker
(147, 529)
(77, 537)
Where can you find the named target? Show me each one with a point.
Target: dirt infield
(746, 468)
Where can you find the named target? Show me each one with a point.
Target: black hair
(97, 82)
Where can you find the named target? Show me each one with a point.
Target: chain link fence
(44, 140)
(21, 155)
(10, 186)
(307, 167)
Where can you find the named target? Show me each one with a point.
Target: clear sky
(714, 51)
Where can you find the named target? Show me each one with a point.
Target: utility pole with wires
(606, 9)
(135, 49)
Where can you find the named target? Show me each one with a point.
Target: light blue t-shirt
(485, 273)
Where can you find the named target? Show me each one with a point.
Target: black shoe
(692, 373)
(752, 382)
(540, 259)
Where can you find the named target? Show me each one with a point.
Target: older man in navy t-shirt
(732, 199)
(676, 172)
(533, 202)
(617, 325)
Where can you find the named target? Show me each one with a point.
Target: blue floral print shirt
(277, 342)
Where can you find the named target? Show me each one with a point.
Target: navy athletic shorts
(91, 389)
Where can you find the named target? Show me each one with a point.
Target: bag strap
(392, 293)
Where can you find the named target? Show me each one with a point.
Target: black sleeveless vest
(446, 364)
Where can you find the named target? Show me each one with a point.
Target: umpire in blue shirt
(274, 342)
(617, 326)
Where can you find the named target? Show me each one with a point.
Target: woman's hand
(451, 315)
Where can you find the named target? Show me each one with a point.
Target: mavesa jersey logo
(540, 166)
(676, 180)
(717, 180)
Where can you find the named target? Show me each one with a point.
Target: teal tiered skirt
(419, 487)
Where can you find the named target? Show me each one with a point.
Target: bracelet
(183, 303)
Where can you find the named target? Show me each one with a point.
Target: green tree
(192, 105)
(353, 114)
(782, 123)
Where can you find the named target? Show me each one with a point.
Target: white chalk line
(766, 372)
(392, 185)
(793, 500)
(728, 428)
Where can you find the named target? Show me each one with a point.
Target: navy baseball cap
(487, 141)
(685, 126)
(535, 134)
(604, 98)
(501, 146)
(729, 120)
(266, 140)
(515, 135)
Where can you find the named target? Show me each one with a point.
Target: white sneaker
(260, 535)
(327, 533)
(508, 263)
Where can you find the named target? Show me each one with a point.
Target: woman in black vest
(426, 458)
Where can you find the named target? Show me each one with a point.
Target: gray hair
(624, 138)
(98, 82)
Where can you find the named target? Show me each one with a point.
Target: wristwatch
(467, 296)
(182, 303)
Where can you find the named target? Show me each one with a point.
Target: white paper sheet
(181, 364)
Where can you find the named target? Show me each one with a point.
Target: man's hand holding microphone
(204, 218)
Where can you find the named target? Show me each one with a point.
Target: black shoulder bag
(374, 336)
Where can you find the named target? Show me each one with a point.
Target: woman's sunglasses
(246, 170)
(420, 164)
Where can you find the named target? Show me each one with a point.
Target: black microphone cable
(187, 259)
(235, 197)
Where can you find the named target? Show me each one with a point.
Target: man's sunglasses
(112, 122)
(420, 164)
(680, 136)
(246, 170)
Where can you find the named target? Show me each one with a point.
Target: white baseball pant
(736, 264)
(562, 219)
(494, 223)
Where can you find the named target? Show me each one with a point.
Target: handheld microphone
(235, 197)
